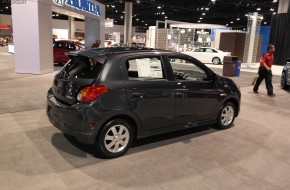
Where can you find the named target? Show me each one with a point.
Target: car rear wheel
(216, 60)
(283, 81)
(226, 115)
(115, 138)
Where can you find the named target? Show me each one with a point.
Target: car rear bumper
(71, 120)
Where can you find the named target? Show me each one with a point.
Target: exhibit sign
(83, 5)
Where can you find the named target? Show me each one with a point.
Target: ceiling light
(137, 19)
(227, 24)
(265, 22)
(165, 17)
(113, 6)
(145, 24)
(108, 5)
(163, 13)
(115, 21)
(206, 9)
(122, 17)
(200, 18)
(203, 13)
(258, 9)
(274, 13)
(238, 18)
(272, 9)
(198, 21)
(7, 7)
(159, 7)
(201, 9)
(232, 22)
(274, 1)
(142, 20)
(116, 11)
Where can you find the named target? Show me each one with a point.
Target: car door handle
(137, 95)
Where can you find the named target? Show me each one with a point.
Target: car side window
(209, 50)
(58, 45)
(71, 46)
(215, 51)
(146, 68)
(184, 69)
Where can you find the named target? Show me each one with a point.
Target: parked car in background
(61, 47)
(285, 78)
(110, 96)
(208, 55)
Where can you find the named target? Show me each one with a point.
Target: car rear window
(83, 67)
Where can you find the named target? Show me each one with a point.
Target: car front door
(196, 97)
(149, 93)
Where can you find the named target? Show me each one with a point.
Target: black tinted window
(184, 69)
(83, 67)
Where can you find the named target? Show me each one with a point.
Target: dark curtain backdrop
(280, 37)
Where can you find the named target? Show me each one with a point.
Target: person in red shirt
(265, 72)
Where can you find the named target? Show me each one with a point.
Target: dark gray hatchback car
(285, 77)
(110, 96)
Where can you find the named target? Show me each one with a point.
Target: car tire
(284, 82)
(115, 138)
(216, 61)
(226, 116)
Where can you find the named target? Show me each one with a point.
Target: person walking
(265, 71)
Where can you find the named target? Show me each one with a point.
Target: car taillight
(91, 93)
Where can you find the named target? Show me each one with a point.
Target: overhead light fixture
(113, 6)
(213, 1)
(272, 9)
(265, 22)
(258, 9)
(165, 17)
(232, 22)
(238, 18)
(198, 21)
(203, 13)
(274, 13)
(206, 9)
(145, 24)
(137, 19)
(122, 17)
(274, 1)
(159, 7)
(142, 20)
(200, 18)
(163, 13)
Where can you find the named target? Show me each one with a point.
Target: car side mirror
(288, 60)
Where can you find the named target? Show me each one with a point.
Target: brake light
(91, 93)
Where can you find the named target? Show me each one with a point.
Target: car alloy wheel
(216, 60)
(115, 139)
(226, 115)
(283, 81)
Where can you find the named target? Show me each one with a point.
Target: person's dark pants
(267, 75)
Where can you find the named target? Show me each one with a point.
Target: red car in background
(64, 46)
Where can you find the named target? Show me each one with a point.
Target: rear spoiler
(87, 53)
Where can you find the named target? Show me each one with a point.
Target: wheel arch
(128, 118)
(236, 104)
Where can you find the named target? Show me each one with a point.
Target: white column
(71, 28)
(32, 33)
(128, 23)
(94, 30)
(254, 18)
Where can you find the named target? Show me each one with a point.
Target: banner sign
(83, 5)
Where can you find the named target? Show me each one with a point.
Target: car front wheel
(115, 139)
(216, 61)
(226, 116)
(283, 81)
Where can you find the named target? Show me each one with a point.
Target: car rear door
(196, 96)
(149, 93)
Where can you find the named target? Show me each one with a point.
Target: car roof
(101, 54)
